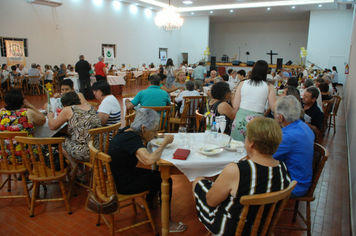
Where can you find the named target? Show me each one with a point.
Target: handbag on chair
(94, 205)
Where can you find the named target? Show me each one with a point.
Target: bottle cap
(214, 123)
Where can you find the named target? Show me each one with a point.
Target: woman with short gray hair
(127, 148)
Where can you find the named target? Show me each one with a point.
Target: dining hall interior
(243, 30)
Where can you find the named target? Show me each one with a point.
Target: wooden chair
(104, 135)
(129, 119)
(94, 104)
(143, 79)
(39, 172)
(321, 155)
(198, 119)
(133, 80)
(18, 84)
(337, 99)
(164, 123)
(129, 95)
(195, 102)
(13, 167)
(55, 82)
(276, 200)
(105, 187)
(326, 110)
(182, 121)
(128, 78)
(111, 72)
(34, 84)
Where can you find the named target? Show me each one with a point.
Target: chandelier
(169, 19)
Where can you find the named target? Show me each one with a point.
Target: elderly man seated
(213, 78)
(297, 147)
(153, 96)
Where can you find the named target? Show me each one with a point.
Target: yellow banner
(15, 52)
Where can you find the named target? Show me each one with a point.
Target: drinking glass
(182, 131)
(217, 121)
(222, 126)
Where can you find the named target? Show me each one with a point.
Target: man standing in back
(82, 67)
(198, 76)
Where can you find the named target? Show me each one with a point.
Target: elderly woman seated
(218, 203)
(220, 95)
(81, 118)
(127, 148)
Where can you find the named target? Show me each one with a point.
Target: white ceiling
(241, 13)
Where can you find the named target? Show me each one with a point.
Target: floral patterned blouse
(15, 121)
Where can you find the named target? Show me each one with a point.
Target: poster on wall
(109, 55)
(15, 52)
(163, 56)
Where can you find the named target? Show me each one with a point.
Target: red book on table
(181, 154)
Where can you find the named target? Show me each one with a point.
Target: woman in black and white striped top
(218, 204)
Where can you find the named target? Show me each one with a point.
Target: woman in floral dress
(18, 115)
(81, 118)
(251, 98)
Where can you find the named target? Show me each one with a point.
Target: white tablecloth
(119, 73)
(75, 83)
(137, 73)
(116, 80)
(43, 131)
(195, 166)
(206, 89)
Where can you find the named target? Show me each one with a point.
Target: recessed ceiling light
(211, 11)
(320, 5)
(293, 7)
(192, 13)
(268, 9)
(231, 10)
(151, 8)
(136, 4)
(187, 2)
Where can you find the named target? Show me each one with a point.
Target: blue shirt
(297, 152)
(198, 73)
(286, 74)
(153, 96)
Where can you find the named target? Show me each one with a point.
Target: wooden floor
(330, 210)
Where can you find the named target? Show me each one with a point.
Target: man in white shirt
(189, 85)
(143, 68)
(22, 70)
(304, 71)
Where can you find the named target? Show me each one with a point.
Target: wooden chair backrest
(199, 117)
(195, 102)
(18, 82)
(326, 107)
(186, 109)
(276, 199)
(104, 180)
(128, 75)
(321, 155)
(104, 134)
(164, 118)
(129, 95)
(129, 119)
(111, 72)
(337, 100)
(33, 80)
(9, 136)
(38, 167)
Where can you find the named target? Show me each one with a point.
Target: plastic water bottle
(214, 133)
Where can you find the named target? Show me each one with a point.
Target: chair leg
(24, 183)
(33, 200)
(98, 223)
(112, 230)
(308, 219)
(134, 206)
(61, 184)
(334, 125)
(149, 215)
(296, 206)
(9, 183)
(72, 179)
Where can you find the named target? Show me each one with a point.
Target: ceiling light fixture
(293, 7)
(231, 10)
(320, 5)
(187, 2)
(192, 13)
(211, 11)
(268, 9)
(169, 19)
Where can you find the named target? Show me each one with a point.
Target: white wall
(84, 26)
(258, 38)
(350, 113)
(329, 39)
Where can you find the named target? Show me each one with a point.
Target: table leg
(165, 174)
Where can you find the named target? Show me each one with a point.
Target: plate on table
(213, 152)
(233, 145)
(158, 141)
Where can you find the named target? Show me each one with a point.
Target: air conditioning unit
(50, 3)
(345, 4)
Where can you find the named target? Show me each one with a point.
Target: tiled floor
(330, 210)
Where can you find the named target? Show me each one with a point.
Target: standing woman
(250, 99)
(169, 71)
(335, 78)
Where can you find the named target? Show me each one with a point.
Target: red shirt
(99, 68)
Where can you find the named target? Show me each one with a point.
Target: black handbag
(56, 161)
(111, 206)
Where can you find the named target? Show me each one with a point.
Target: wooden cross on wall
(271, 54)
